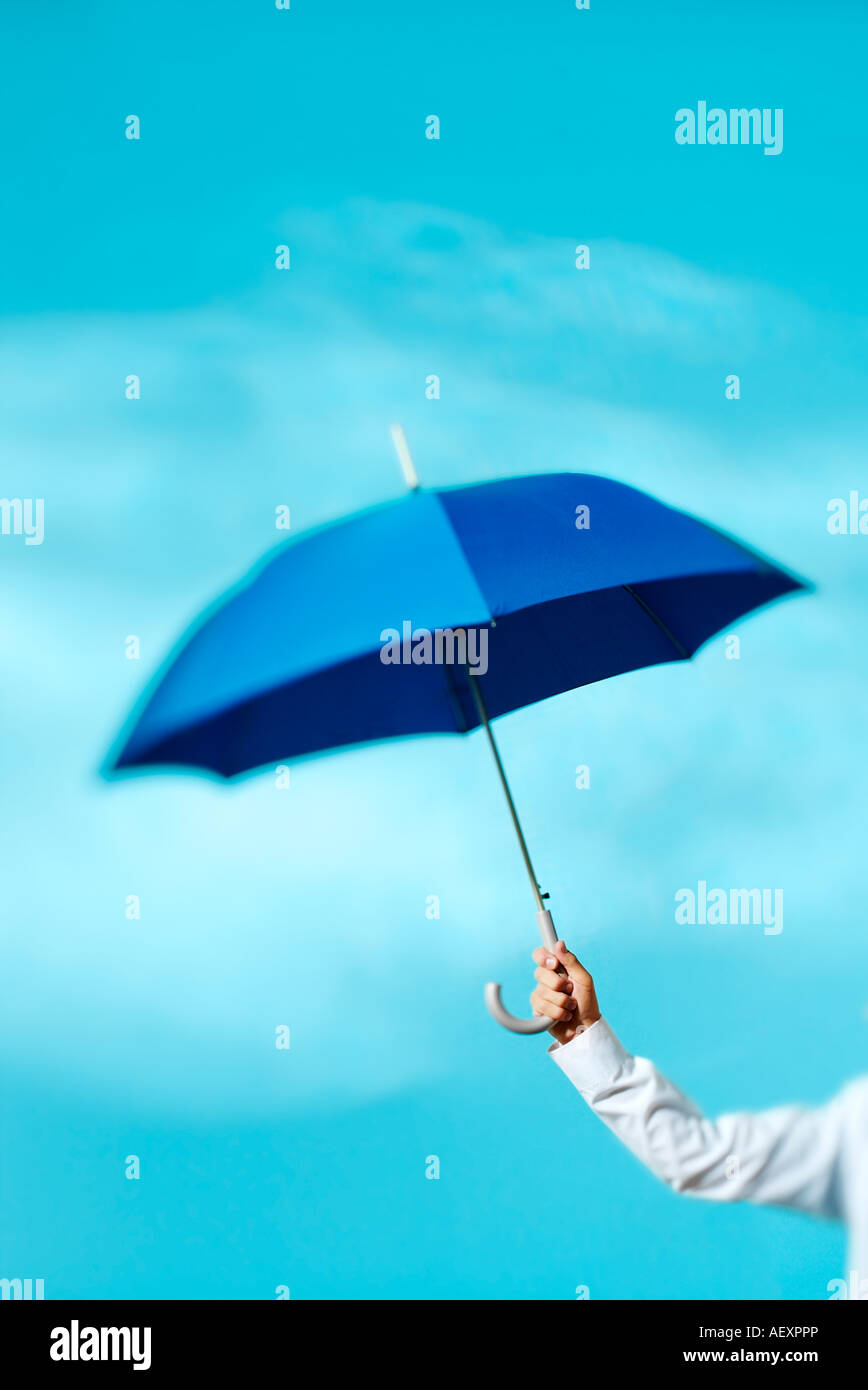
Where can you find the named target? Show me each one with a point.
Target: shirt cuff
(592, 1060)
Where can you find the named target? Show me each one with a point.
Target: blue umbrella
(437, 613)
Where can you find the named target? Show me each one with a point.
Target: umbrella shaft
(522, 843)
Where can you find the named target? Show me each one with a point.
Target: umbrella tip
(410, 476)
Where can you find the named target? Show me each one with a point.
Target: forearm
(655, 1121)
(786, 1156)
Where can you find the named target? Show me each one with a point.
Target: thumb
(571, 964)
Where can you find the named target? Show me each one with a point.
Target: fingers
(542, 1006)
(543, 957)
(552, 957)
(558, 1007)
(554, 981)
(555, 996)
(565, 992)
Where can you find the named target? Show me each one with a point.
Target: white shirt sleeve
(789, 1156)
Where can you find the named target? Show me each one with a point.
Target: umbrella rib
(679, 646)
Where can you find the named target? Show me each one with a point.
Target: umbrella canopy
(438, 612)
(557, 579)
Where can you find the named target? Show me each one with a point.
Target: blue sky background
(307, 907)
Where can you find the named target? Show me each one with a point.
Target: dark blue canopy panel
(291, 663)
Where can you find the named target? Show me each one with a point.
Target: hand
(568, 998)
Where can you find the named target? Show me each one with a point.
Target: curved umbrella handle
(492, 991)
(508, 1020)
